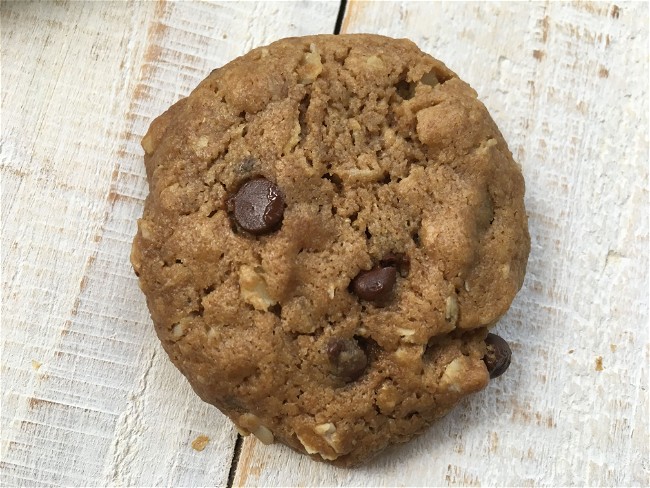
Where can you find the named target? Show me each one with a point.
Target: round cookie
(334, 223)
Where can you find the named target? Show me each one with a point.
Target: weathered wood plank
(567, 86)
(69, 69)
(89, 397)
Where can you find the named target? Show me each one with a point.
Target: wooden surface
(88, 396)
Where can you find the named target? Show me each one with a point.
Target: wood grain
(88, 396)
(563, 82)
(105, 407)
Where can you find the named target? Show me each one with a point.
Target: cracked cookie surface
(334, 223)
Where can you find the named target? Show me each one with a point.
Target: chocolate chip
(348, 360)
(375, 285)
(497, 358)
(258, 206)
(397, 260)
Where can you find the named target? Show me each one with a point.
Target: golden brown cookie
(333, 225)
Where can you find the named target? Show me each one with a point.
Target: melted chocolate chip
(348, 360)
(258, 206)
(497, 358)
(375, 285)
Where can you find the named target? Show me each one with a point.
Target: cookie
(334, 224)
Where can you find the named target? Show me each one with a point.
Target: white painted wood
(567, 85)
(80, 83)
(88, 396)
